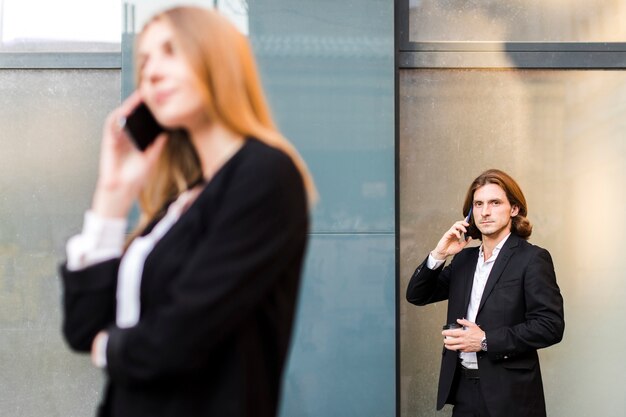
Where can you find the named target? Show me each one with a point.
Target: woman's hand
(98, 349)
(123, 168)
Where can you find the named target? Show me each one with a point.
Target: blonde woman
(192, 315)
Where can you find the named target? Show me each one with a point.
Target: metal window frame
(60, 60)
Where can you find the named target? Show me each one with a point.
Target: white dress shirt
(481, 274)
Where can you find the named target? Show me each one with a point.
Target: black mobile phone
(142, 127)
(468, 219)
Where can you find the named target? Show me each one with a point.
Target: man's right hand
(452, 242)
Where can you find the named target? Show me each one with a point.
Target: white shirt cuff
(100, 351)
(433, 263)
(101, 239)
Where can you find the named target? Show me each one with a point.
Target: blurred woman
(192, 315)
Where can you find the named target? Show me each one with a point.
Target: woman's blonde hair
(222, 60)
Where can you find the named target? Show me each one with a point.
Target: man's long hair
(520, 224)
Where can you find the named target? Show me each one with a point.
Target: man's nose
(485, 210)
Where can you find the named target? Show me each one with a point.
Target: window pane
(561, 135)
(60, 26)
(235, 10)
(517, 20)
(51, 128)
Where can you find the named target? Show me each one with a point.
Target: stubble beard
(486, 231)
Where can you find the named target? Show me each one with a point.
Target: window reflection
(517, 20)
(60, 26)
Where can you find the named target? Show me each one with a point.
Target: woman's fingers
(117, 118)
(130, 103)
(152, 152)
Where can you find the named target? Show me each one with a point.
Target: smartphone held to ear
(142, 127)
(468, 219)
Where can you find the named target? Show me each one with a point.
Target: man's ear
(514, 211)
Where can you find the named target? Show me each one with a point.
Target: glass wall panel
(50, 124)
(60, 26)
(562, 135)
(517, 20)
(331, 87)
(342, 357)
(328, 70)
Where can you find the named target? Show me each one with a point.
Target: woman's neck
(215, 145)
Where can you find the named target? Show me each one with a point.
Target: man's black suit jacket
(217, 299)
(521, 310)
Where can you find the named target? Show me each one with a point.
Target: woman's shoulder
(263, 156)
(266, 163)
(262, 173)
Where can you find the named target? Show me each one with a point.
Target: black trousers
(468, 398)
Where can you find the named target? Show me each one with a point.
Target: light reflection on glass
(60, 25)
(517, 20)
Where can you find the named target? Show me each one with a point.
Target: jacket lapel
(468, 280)
(498, 268)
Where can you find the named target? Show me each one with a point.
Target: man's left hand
(464, 340)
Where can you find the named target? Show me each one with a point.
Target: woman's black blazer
(218, 294)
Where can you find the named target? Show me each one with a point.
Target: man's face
(492, 211)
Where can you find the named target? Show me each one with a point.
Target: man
(504, 294)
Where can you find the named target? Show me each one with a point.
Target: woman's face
(167, 83)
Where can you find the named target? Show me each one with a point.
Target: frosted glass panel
(50, 124)
(562, 135)
(517, 20)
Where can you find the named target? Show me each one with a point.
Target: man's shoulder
(528, 250)
(517, 241)
(468, 254)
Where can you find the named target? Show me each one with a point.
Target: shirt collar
(496, 250)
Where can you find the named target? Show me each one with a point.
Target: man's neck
(490, 242)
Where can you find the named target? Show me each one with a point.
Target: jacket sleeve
(544, 318)
(429, 285)
(257, 232)
(88, 302)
